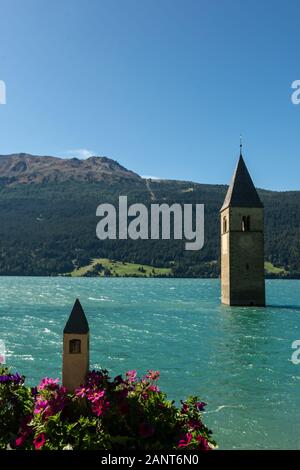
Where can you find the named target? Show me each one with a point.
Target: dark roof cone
(241, 192)
(77, 322)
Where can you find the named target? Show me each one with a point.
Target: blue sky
(163, 86)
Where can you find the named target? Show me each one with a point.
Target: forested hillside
(48, 224)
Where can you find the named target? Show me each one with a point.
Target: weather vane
(241, 144)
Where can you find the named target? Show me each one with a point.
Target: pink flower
(24, 430)
(54, 404)
(39, 441)
(153, 388)
(146, 430)
(21, 439)
(185, 442)
(202, 443)
(185, 408)
(200, 405)
(96, 396)
(131, 375)
(153, 374)
(82, 392)
(40, 405)
(100, 408)
(50, 384)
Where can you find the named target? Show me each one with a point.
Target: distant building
(75, 349)
(242, 242)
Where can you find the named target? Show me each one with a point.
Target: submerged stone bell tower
(75, 349)
(242, 242)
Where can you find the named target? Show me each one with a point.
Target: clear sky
(163, 86)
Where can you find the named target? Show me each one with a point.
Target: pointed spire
(77, 322)
(241, 192)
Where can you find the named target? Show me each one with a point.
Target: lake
(238, 360)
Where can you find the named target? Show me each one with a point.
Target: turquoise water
(238, 360)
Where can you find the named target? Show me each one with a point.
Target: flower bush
(123, 413)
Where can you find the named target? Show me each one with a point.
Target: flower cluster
(16, 402)
(11, 378)
(94, 391)
(122, 413)
(50, 398)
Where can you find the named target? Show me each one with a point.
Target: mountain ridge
(23, 168)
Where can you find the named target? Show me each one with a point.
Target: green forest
(50, 228)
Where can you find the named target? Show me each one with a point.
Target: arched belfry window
(224, 225)
(75, 346)
(246, 223)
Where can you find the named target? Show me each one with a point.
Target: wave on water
(222, 407)
(23, 357)
(101, 299)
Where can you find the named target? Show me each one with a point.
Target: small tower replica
(242, 242)
(75, 349)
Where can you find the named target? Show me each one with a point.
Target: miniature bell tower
(242, 242)
(75, 349)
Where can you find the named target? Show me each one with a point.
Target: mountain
(24, 168)
(48, 219)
